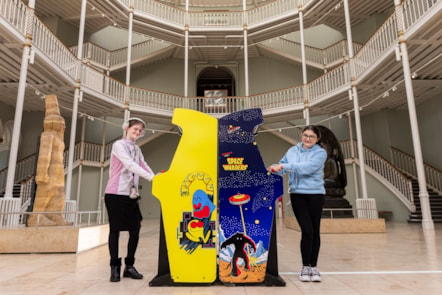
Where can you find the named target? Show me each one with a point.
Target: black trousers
(124, 215)
(132, 244)
(308, 211)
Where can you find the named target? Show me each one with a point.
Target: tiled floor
(404, 260)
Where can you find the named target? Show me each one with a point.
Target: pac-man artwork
(188, 195)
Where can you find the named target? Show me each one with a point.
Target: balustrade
(385, 169)
(14, 13)
(407, 163)
(384, 38)
(48, 44)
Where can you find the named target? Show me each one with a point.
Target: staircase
(337, 203)
(435, 205)
(15, 191)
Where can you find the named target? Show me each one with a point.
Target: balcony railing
(390, 174)
(23, 169)
(45, 43)
(398, 180)
(407, 163)
(110, 60)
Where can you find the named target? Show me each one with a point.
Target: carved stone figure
(335, 175)
(50, 195)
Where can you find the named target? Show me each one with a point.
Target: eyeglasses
(310, 137)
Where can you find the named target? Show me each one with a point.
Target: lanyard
(135, 158)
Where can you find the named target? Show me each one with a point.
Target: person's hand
(275, 168)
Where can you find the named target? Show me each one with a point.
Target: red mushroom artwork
(239, 200)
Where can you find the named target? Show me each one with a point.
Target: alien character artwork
(242, 246)
(247, 195)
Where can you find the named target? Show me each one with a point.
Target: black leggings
(114, 236)
(308, 211)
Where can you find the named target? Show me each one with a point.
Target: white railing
(70, 207)
(337, 79)
(413, 10)
(222, 105)
(92, 152)
(384, 169)
(364, 213)
(23, 169)
(95, 80)
(77, 153)
(14, 12)
(367, 208)
(272, 10)
(407, 163)
(139, 51)
(155, 99)
(319, 58)
(108, 149)
(287, 130)
(93, 53)
(6, 206)
(231, 19)
(339, 51)
(384, 38)
(54, 49)
(154, 9)
(10, 218)
(26, 191)
(278, 99)
(321, 88)
(109, 60)
(61, 56)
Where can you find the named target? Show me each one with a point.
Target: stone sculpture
(50, 195)
(335, 176)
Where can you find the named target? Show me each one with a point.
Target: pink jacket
(126, 166)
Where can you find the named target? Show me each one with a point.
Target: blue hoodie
(305, 168)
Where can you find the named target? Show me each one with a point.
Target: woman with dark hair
(304, 163)
(127, 165)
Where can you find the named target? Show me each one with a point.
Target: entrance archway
(215, 78)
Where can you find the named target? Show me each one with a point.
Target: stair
(435, 205)
(15, 191)
(337, 203)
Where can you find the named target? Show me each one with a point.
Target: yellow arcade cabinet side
(188, 196)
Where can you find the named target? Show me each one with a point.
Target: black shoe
(131, 272)
(115, 273)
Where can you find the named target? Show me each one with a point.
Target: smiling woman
(305, 165)
(127, 165)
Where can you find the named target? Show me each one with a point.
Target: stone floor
(404, 260)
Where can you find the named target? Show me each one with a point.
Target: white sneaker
(304, 276)
(315, 276)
